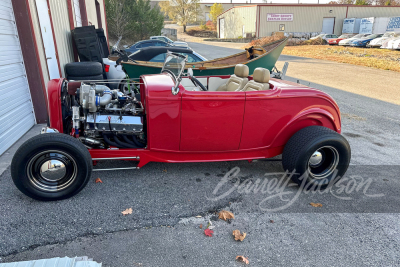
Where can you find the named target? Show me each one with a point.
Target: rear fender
(310, 117)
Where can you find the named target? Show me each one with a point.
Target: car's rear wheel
(318, 155)
(51, 167)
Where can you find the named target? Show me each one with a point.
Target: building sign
(393, 25)
(279, 17)
(366, 25)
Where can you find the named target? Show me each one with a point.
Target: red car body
(203, 126)
(335, 41)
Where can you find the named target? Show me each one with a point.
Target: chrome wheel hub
(323, 162)
(52, 170)
(316, 158)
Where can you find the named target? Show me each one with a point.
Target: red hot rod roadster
(181, 118)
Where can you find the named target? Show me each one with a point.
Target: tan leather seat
(260, 80)
(237, 81)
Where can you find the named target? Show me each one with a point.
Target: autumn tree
(215, 10)
(133, 20)
(387, 2)
(182, 11)
(346, 2)
(362, 3)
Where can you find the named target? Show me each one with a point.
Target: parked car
(335, 41)
(243, 118)
(348, 41)
(167, 40)
(145, 43)
(377, 42)
(325, 37)
(318, 36)
(362, 42)
(392, 43)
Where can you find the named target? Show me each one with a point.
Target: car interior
(237, 82)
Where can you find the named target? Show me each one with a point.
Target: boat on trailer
(256, 56)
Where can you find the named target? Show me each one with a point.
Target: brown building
(35, 45)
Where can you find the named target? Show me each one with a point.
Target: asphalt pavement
(356, 225)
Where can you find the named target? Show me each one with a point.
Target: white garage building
(264, 19)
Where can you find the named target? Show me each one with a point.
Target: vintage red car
(336, 41)
(178, 118)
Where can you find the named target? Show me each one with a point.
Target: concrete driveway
(352, 228)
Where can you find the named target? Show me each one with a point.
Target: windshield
(359, 36)
(343, 36)
(371, 36)
(174, 64)
(388, 34)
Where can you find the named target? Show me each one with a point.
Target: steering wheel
(196, 82)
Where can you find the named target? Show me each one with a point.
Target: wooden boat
(254, 57)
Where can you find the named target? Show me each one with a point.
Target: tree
(145, 20)
(387, 2)
(182, 11)
(133, 19)
(362, 2)
(333, 3)
(216, 9)
(117, 18)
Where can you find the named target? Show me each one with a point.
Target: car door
(211, 121)
(263, 118)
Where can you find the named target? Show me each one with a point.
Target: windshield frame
(181, 60)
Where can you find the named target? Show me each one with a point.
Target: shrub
(264, 41)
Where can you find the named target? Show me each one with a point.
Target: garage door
(16, 111)
(327, 25)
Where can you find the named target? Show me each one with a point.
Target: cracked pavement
(166, 198)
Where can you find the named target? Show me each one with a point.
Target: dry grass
(375, 58)
(263, 41)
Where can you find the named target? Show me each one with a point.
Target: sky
(273, 1)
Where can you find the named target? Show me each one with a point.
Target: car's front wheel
(318, 155)
(51, 166)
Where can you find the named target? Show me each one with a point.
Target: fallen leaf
(127, 211)
(317, 205)
(208, 232)
(201, 226)
(271, 221)
(243, 259)
(224, 215)
(198, 216)
(164, 170)
(238, 235)
(98, 180)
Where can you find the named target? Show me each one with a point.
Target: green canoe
(265, 57)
